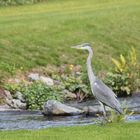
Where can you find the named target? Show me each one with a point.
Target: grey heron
(101, 91)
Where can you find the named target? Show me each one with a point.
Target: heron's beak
(80, 46)
(77, 47)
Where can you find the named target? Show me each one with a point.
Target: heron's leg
(103, 108)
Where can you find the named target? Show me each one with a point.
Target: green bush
(124, 79)
(119, 83)
(75, 84)
(35, 94)
(38, 93)
(13, 87)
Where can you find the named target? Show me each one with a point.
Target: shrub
(119, 83)
(121, 118)
(38, 93)
(35, 94)
(125, 75)
(74, 83)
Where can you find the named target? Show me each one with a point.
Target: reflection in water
(35, 120)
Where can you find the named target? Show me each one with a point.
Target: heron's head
(85, 46)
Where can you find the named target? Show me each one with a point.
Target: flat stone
(93, 110)
(53, 107)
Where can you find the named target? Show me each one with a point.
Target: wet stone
(53, 107)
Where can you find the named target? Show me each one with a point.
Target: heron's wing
(105, 95)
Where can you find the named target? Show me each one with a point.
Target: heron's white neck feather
(91, 75)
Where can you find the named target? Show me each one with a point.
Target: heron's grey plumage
(102, 92)
(106, 96)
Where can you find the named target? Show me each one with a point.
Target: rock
(93, 110)
(4, 107)
(34, 76)
(18, 104)
(48, 81)
(53, 107)
(8, 102)
(6, 98)
(8, 95)
(19, 95)
(69, 95)
(2, 96)
(13, 103)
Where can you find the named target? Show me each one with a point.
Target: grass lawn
(126, 131)
(41, 34)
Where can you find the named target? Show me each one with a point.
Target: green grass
(41, 34)
(126, 131)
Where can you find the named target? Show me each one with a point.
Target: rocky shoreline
(89, 107)
(70, 107)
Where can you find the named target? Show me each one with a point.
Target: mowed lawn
(125, 131)
(41, 34)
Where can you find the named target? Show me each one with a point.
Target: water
(13, 120)
(35, 120)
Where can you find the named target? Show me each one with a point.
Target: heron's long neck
(89, 68)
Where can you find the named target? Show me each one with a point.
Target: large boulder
(53, 107)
